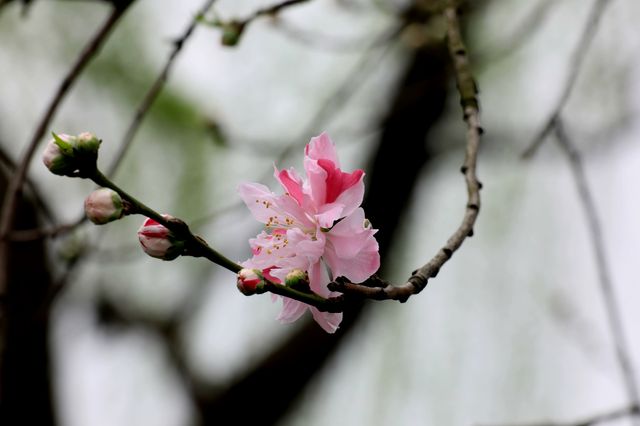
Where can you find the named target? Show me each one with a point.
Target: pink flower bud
(158, 241)
(103, 206)
(249, 281)
(54, 158)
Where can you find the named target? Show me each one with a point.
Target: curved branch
(375, 288)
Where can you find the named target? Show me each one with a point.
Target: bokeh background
(514, 328)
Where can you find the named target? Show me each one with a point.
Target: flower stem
(195, 246)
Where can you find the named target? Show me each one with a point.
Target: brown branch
(632, 411)
(15, 185)
(604, 275)
(155, 90)
(374, 288)
(577, 58)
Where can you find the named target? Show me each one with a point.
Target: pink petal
(327, 320)
(329, 214)
(291, 182)
(258, 199)
(272, 209)
(358, 268)
(317, 183)
(318, 279)
(338, 181)
(349, 236)
(351, 198)
(291, 310)
(322, 147)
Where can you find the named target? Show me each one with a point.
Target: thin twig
(469, 102)
(329, 42)
(590, 421)
(577, 58)
(273, 10)
(155, 90)
(14, 186)
(604, 275)
(524, 31)
(40, 233)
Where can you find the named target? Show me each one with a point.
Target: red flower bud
(158, 241)
(250, 281)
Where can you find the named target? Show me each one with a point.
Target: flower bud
(55, 159)
(297, 278)
(103, 206)
(88, 143)
(71, 155)
(250, 281)
(158, 241)
(231, 32)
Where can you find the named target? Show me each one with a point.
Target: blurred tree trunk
(272, 387)
(25, 375)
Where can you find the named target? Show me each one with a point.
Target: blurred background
(515, 328)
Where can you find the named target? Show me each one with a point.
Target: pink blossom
(316, 226)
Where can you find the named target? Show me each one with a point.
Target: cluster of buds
(77, 156)
(73, 156)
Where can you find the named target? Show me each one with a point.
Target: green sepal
(66, 148)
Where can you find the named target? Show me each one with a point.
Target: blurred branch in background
(131, 131)
(155, 90)
(328, 41)
(594, 225)
(232, 30)
(514, 42)
(9, 164)
(575, 65)
(333, 105)
(627, 412)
